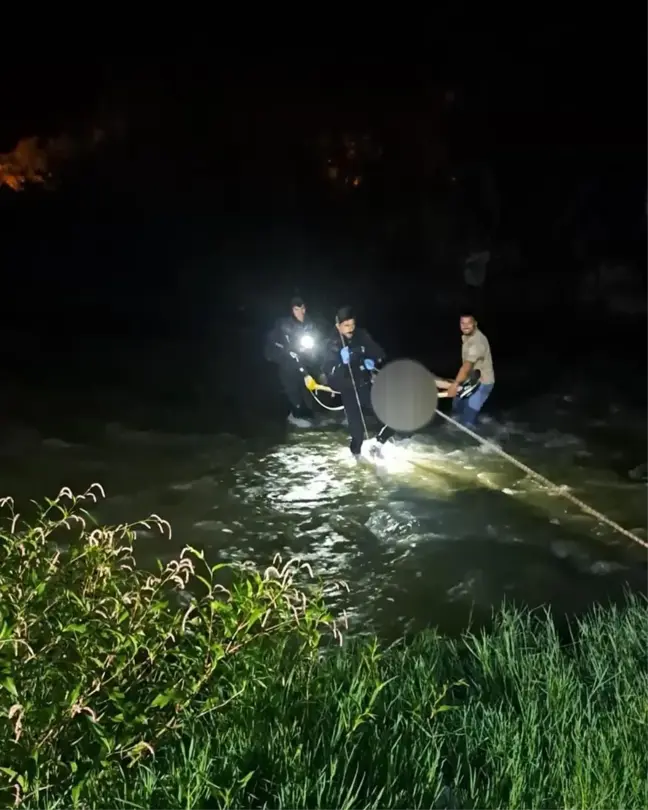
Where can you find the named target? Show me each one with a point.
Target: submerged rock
(639, 473)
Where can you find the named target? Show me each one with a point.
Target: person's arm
(472, 356)
(332, 366)
(275, 349)
(462, 376)
(373, 350)
(277, 345)
(464, 372)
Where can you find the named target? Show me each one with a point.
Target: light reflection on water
(440, 530)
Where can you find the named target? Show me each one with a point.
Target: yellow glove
(310, 383)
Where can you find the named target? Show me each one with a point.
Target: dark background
(163, 248)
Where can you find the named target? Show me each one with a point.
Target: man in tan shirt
(476, 357)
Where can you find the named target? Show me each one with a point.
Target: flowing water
(439, 542)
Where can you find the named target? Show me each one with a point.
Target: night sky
(207, 186)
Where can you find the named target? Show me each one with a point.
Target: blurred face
(299, 313)
(347, 328)
(467, 325)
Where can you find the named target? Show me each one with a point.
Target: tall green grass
(227, 687)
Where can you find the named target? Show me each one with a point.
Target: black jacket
(286, 337)
(361, 347)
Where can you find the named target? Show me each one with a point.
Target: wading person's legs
(292, 382)
(474, 403)
(458, 408)
(384, 432)
(355, 424)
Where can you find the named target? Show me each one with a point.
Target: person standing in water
(477, 364)
(352, 356)
(295, 345)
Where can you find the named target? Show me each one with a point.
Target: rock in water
(639, 473)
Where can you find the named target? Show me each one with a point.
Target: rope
(313, 387)
(355, 390)
(561, 490)
(322, 405)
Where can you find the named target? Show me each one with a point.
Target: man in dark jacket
(295, 345)
(352, 356)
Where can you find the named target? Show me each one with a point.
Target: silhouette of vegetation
(224, 686)
(36, 160)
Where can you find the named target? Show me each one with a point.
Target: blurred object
(27, 163)
(347, 156)
(614, 287)
(475, 267)
(36, 160)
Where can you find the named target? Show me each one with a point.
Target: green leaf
(10, 686)
(75, 694)
(76, 790)
(162, 699)
(76, 628)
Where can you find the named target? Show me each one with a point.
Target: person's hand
(344, 354)
(369, 364)
(452, 389)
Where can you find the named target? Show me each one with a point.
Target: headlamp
(307, 342)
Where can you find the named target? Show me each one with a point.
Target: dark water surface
(166, 428)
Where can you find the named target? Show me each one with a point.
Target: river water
(439, 542)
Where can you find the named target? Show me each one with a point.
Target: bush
(121, 689)
(101, 664)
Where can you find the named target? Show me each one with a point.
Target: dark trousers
(292, 382)
(354, 416)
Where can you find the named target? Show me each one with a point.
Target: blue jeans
(465, 411)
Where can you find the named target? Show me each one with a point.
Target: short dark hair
(344, 313)
(297, 301)
(467, 314)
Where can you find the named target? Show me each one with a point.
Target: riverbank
(228, 687)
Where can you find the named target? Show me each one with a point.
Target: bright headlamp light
(307, 342)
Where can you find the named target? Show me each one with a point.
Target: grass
(223, 686)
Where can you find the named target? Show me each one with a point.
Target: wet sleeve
(276, 348)
(373, 350)
(332, 365)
